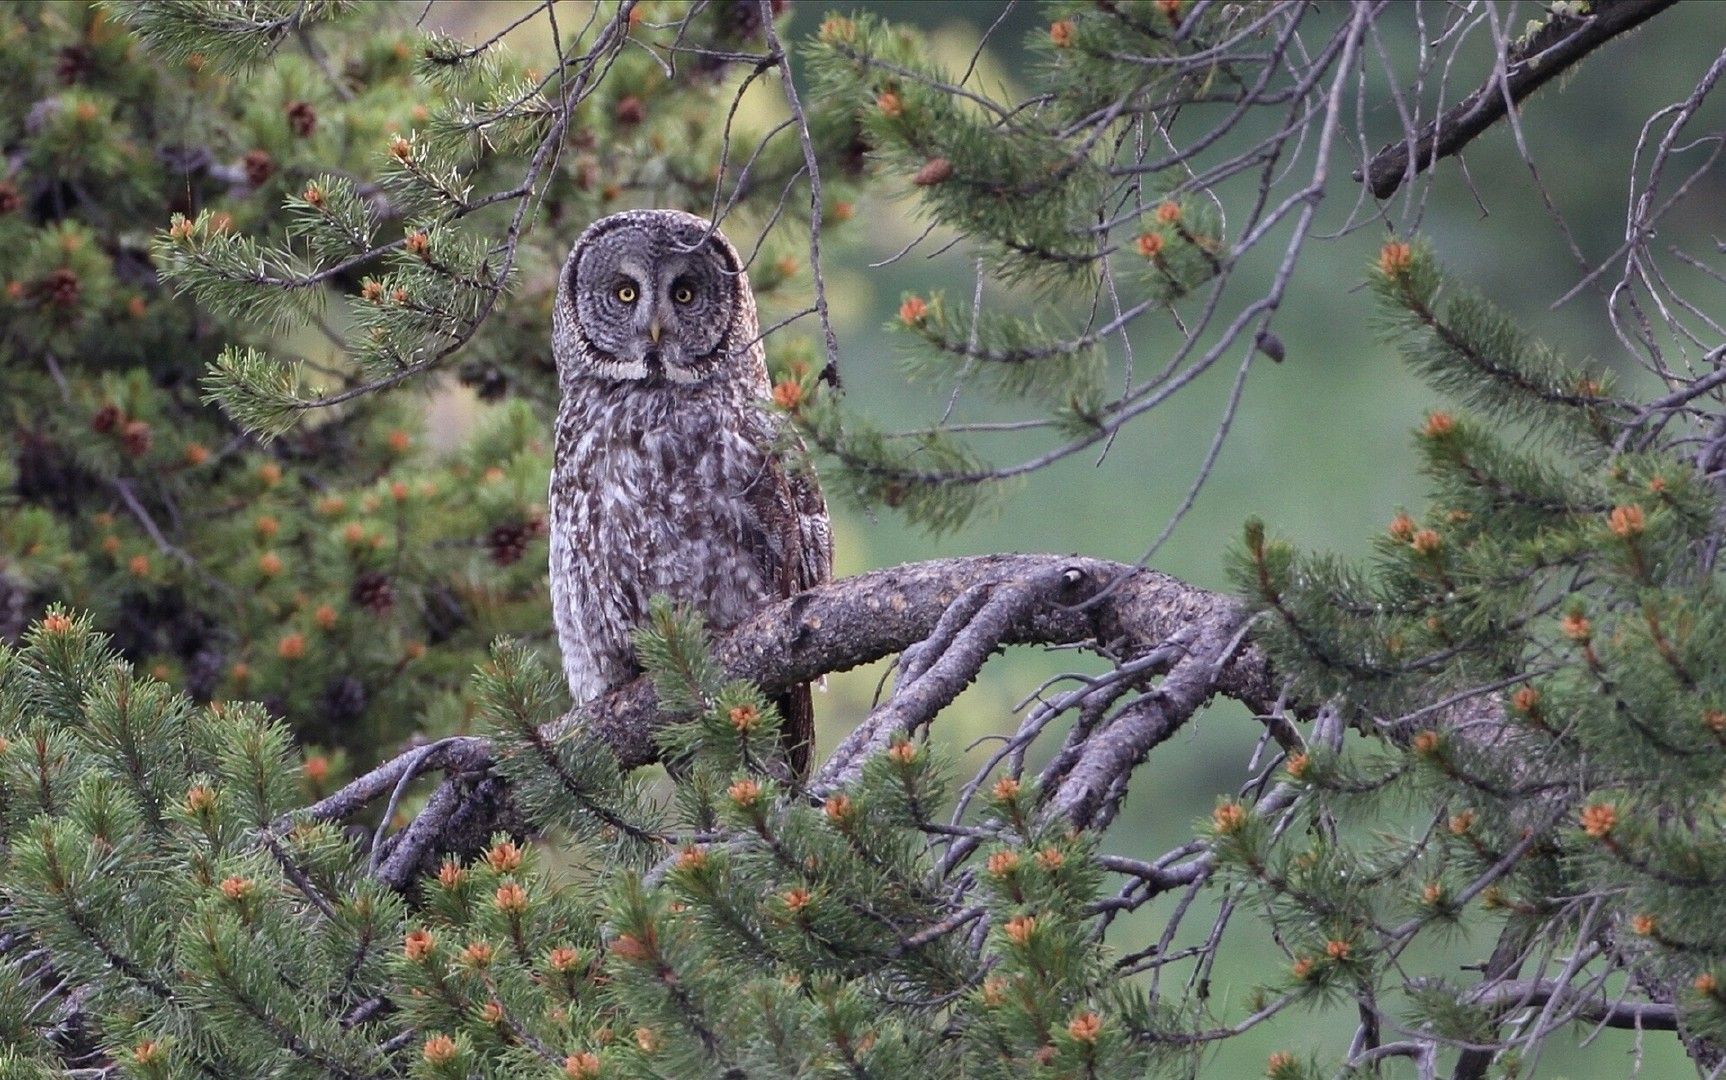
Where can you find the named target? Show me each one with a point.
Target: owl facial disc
(654, 299)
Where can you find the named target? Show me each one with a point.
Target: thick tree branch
(865, 618)
(459, 754)
(1547, 53)
(1124, 611)
(1147, 721)
(937, 670)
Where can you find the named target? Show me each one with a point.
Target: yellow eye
(683, 295)
(626, 293)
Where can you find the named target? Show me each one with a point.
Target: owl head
(651, 295)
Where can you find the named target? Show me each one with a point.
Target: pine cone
(136, 438)
(60, 287)
(630, 110)
(10, 197)
(934, 171)
(344, 701)
(486, 379)
(105, 419)
(302, 118)
(74, 64)
(508, 542)
(259, 166)
(372, 590)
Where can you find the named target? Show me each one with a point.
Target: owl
(666, 477)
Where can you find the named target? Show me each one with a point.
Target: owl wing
(795, 550)
(814, 528)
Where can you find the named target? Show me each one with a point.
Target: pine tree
(233, 574)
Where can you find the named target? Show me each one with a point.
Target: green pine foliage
(342, 573)
(1034, 185)
(161, 854)
(1536, 661)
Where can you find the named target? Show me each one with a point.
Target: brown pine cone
(105, 419)
(508, 542)
(372, 590)
(136, 437)
(260, 166)
(302, 118)
(59, 287)
(630, 110)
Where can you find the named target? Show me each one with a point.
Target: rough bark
(1122, 611)
(862, 619)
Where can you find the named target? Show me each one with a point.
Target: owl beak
(653, 331)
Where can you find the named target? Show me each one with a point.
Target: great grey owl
(666, 478)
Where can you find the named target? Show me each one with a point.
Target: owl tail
(798, 735)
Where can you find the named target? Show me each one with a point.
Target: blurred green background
(1321, 448)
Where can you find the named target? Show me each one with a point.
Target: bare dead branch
(1596, 1008)
(1544, 55)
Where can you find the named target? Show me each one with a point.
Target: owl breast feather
(652, 494)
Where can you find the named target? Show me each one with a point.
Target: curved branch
(1123, 611)
(1544, 55)
(861, 619)
(1594, 1007)
(1112, 753)
(934, 672)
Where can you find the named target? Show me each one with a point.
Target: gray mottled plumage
(666, 480)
